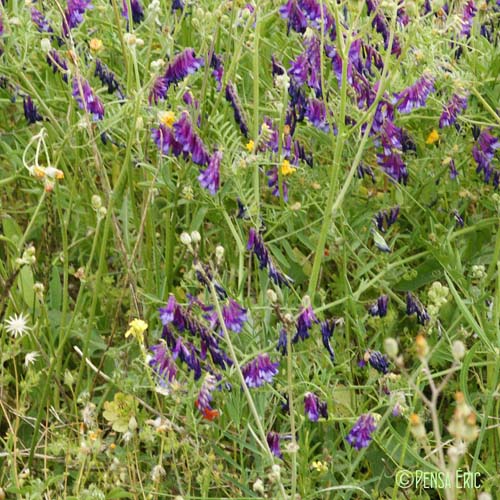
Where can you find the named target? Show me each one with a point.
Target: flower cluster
(87, 99)
(360, 435)
(386, 218)
(483, 153)
(314, 407)
(413, 306)
(379, 308)
(258, 247)
(73, 15)
(259, 371)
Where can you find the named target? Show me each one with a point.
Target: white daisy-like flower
(30, 358)
(17, 325)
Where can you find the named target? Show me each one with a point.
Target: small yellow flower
(319, 466)
(286, 168)
(137, 329)
(167, 118)
(250, 146)
(96, 45)
(432, 137)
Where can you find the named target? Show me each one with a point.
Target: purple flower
(137, 12)
(413, 306)
(86, 99)
(273, 441)
(394, 166)
(73, 15)
(314, 408)
(167, 313)
(259, 371)
(30, 111)
(468, 18)
(312, 9)
(57, 63)
(361, 434)
(379, 308)
(165, 140)
(218, 70)
(107, 77)
(415, 96)
(459, 221)
(40, 21)
(282, 345)
(316, 114)
(234, 316)
(294, 15)
(385, 219)
(455, 106)
(205, 395)
(256, 244)
(191, 143)
(159, 90)
(177, 5)
(210, 177)
(276, 67)
(484, 152)
(366, 170)
(233, 99)
(327, 329)
(273, 183)
(378, 361)
(162, 363)
(182, 65)
(306, 67)
(453, 170)
(304, 322)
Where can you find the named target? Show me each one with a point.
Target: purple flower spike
(379, 308)
(468, 17)
(366, 170)
(90, 102)
(159, 90)
(210, 177)
(30, 111)
(273, 441)
(256, 244)
(191, 143)
(162, 363)
(182, 65)
(137, 12)
(314, 408)
(361, 434)
(58, 64)
(453, 170)
(177, 5)
(165, 140)
(394, 166)
(378, 361)
(304, 322)
(316, 114)
(413, 306)
(484, 152)
(385, 219)
(40, 21)
(233, 99)
(218, 70)
(107, 77)
(273, 183)
(259, 371)
(205, 395)
(282, 345)
(167, 313)
(416, 95)
(327, 330)
(73, 15)
(234, 316)
(294, 15)
(451, 110)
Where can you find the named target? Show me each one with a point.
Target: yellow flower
(96, 45)
(319, 466)
(167, 118)
(286, 168)
(432, 137)
(250, 146)
(137, 329)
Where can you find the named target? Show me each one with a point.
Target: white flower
(17, 325)
(30, 358)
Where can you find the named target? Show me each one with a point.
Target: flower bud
(45, 44)
(391, 347)
(219, 252)
(417, 428)
(272, 297)
(96, 202)
(458, 350)
(258, 487)
(195, 237)
(421, 346)
(185, 239)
